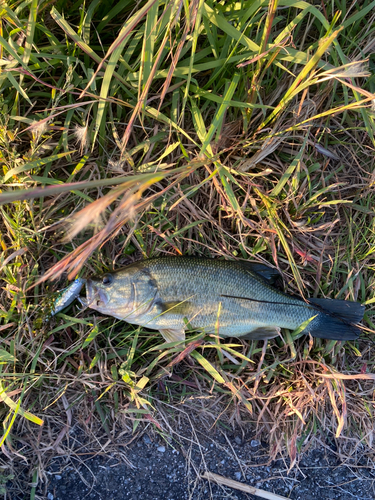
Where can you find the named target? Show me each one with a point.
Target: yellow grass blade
(17, 408)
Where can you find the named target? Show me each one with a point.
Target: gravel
(158, 471)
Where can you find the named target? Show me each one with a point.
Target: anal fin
(262, 333)
(173, 335)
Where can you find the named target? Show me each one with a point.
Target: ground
(152, 468)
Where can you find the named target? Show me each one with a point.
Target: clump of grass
(236, 131)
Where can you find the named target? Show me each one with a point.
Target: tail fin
(336, 318)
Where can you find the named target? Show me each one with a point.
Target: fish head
(127, 293)
(110, 293)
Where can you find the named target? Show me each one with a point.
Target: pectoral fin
(171, 335)
(262, 333)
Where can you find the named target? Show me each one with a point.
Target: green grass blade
(64, 25)
(291, 169)
(105, 87)
(130, 25)
(309, 67)
(17, 86)
(33, 165)
(220, 114)
(30, 30)
(208, 367)
(147, 54)
(219, 21)
(195, 36)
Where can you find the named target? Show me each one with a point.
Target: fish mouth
(95, 296)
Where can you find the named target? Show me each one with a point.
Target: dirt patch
(173, 473)
(154, 468)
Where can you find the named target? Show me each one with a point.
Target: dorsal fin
(268, 274)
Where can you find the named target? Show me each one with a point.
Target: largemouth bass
(230, 298)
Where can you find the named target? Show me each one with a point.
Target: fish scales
(201, 285)
(231, 298)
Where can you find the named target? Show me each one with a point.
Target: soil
(153, 468)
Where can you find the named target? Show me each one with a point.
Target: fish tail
(336, 319)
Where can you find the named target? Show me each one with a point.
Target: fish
(66, 296)
(223, 297)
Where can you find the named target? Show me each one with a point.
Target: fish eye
(107, 279)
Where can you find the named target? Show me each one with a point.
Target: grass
(236, 130)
